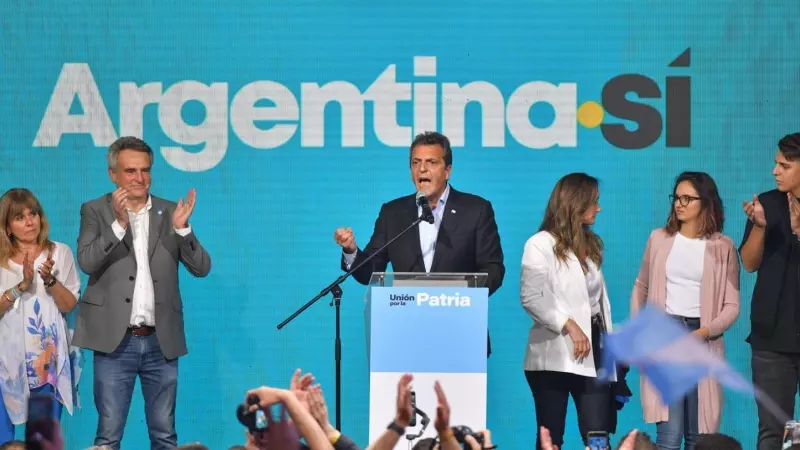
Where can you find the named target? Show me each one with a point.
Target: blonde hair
(572, 196)
(13, 203)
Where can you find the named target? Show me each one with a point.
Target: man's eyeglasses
(683, 199)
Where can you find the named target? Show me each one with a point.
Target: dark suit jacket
(468, 240)
(105, 308)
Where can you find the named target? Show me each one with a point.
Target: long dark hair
(712, 215)
(572, 196)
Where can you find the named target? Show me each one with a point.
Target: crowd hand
(300, 385)
(580, 343)
(119, 201)
(180, 218)
(266, 395)
(27, 271)
(755, 212)
(442, 422)
(629, 442)
(404, 410)
(794, 212)
(345, 238)
(46, 269)
(319, 409)
(546, 442)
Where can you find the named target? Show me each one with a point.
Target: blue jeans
(114, 378)
(683, 421)
(7, 428)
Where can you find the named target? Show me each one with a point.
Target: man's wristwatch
(396, 428)
(50, 283)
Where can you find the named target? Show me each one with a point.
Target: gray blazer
(105, 308)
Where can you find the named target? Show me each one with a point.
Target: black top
(775, 305)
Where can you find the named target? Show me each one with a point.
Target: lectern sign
(435, 333)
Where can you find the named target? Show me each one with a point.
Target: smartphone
(41, 418)
(413, 421)
(598, 440)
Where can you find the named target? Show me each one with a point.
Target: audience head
(426, 444)
(641, 441)
(13, 445)
(717, 441)
(193, 446)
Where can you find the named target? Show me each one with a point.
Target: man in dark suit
(463, 237)
(131, 313)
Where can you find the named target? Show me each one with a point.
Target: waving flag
(672, 359)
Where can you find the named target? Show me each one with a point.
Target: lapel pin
(159, 212)
(453, 211)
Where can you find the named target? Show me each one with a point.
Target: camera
(460, 432)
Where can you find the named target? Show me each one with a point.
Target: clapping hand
(404, 410)
(180, 218)
(119, 201)
(442, 422)
(300, 385)
(794, 212)
(27, 272)
(754, 211)
(46, 269)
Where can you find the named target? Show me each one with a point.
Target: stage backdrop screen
(294, 118)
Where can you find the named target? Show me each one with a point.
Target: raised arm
(96, 240)
(377, 263)
(752, 248)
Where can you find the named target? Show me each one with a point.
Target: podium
(434, 326)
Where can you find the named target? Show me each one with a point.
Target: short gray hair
(127, 143)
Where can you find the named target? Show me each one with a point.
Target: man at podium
(462, 238)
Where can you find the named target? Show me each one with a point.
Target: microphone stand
(336, 291)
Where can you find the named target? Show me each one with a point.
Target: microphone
(422, 201)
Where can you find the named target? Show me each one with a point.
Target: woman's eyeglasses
(683, 199)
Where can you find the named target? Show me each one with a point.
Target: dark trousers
(551, 392)
(778, 375)
(114, 378)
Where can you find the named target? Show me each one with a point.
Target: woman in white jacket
(563, 290)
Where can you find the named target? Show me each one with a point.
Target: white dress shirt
(594, 285)
(143, 301)
(428, 233)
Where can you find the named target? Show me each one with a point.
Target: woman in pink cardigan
(691, 270)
